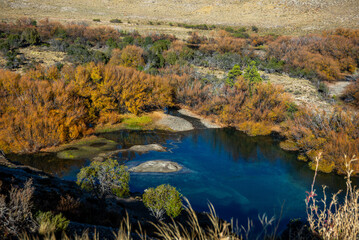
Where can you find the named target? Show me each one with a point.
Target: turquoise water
(241, 176)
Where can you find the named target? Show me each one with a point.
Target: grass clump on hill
(137, 122)
(329, 218)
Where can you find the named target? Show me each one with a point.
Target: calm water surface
(241, 176)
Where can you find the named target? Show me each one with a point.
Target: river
(241, 176)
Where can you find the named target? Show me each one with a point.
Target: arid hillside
(290, 16)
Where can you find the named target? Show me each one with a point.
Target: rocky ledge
(157, 166)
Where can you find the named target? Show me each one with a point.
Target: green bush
(78, 53)
(233, 74)
(108, 177)
(292, 108)
(275, 65)
(163, 199)
(323, 89)
(251, 73)
(116, 20)
(229, 29)
(255, 29)
(50, 223)
(30, 36)
(112, 43)
(96, 20)
(60, 33)
(14, 41)
(128, 40)
(33, 22)
(241, 35)
(171, 58)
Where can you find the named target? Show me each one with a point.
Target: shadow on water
(241, 176)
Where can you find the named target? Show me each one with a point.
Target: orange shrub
(334, 134)
(43, 108)
(223, 43)
(330, 55)
(130, 56)
(352, 93)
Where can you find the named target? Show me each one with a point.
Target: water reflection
(242, 176)
(48, 162)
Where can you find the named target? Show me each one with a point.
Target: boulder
(147, 148)
(157, 166)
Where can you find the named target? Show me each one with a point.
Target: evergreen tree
(251, 73)
(233, 74)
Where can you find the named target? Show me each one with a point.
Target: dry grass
(286, 16)
(216, 229)
(44, 57)
(334, 220)
(15, 210)
(302, 90)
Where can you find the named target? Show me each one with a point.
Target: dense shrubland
(351, 94)
(117, 72)
(334, 134)
(114, 73)
(47, 107)
(329, 56)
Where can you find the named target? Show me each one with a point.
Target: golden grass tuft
(329, 218)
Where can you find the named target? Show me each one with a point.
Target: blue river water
(241, 176)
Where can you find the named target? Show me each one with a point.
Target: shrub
(96, 20)
(116, 20)
(155, 57)
(330, 55)
(255, 29)
(30, 36)
(233, 74)
(78, 53)
(223, 43)
(274, 65)
(351, 94)
(50, 223)
(241, 35)
(323, 89)
(60, 32)
(251, 73)
(68, 204)
(130, 56)
(163, 199)
(334, 220)
(108, 177)
(14, 41)
(15, 211)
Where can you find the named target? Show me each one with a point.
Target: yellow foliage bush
(46, 108)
